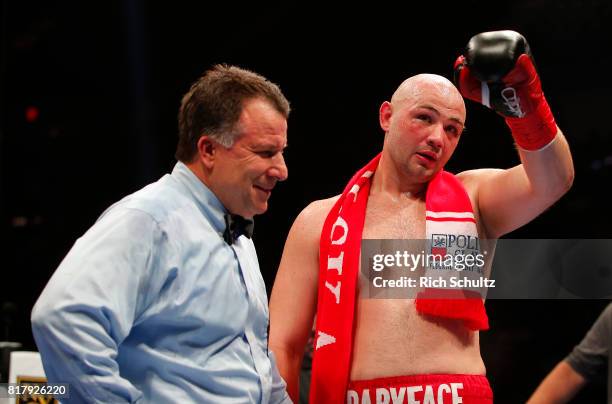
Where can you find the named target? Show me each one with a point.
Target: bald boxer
(397, 353)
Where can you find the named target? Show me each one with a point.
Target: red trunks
(421, 389)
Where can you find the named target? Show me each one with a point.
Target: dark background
(89, 94)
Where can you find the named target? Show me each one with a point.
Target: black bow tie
(235, 226)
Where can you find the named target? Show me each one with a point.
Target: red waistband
(432, 389)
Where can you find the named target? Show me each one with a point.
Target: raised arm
(498, 72)
(508, 199)
(294, 295)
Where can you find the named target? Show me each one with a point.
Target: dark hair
(213, 105)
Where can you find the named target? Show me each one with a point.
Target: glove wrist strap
(535, 130)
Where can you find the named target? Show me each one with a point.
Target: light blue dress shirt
(152, 305)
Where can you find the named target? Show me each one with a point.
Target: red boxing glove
(498, 72)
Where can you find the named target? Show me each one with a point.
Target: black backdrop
(106, 79)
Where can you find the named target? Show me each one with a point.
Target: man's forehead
(432, 91)
(273, 140)
(260, 122)
(454, 115)
(265, 139)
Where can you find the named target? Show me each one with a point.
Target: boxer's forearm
(560, 386)
(289, 364)
(550, 170)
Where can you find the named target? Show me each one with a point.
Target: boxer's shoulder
(318, 210)
(308, 225)
(472, 180)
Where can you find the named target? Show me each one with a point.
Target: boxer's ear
(384, 115)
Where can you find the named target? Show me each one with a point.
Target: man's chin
(426, 174)
(262, 209)
(259, 208)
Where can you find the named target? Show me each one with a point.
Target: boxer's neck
(398, 186)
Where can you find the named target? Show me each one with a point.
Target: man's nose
(279, 169)
(435, 138)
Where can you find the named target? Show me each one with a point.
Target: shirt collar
(205, 199)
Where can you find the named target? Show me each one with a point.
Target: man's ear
(384, 115)
(207, 151)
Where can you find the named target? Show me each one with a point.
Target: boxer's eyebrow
(452, 118)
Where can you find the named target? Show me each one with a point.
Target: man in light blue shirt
(162, 300)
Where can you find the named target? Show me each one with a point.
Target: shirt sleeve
(90, 303)
(590, 357)
(279, 387)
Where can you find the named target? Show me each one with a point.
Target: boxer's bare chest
(384, 326)
(394, 218)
